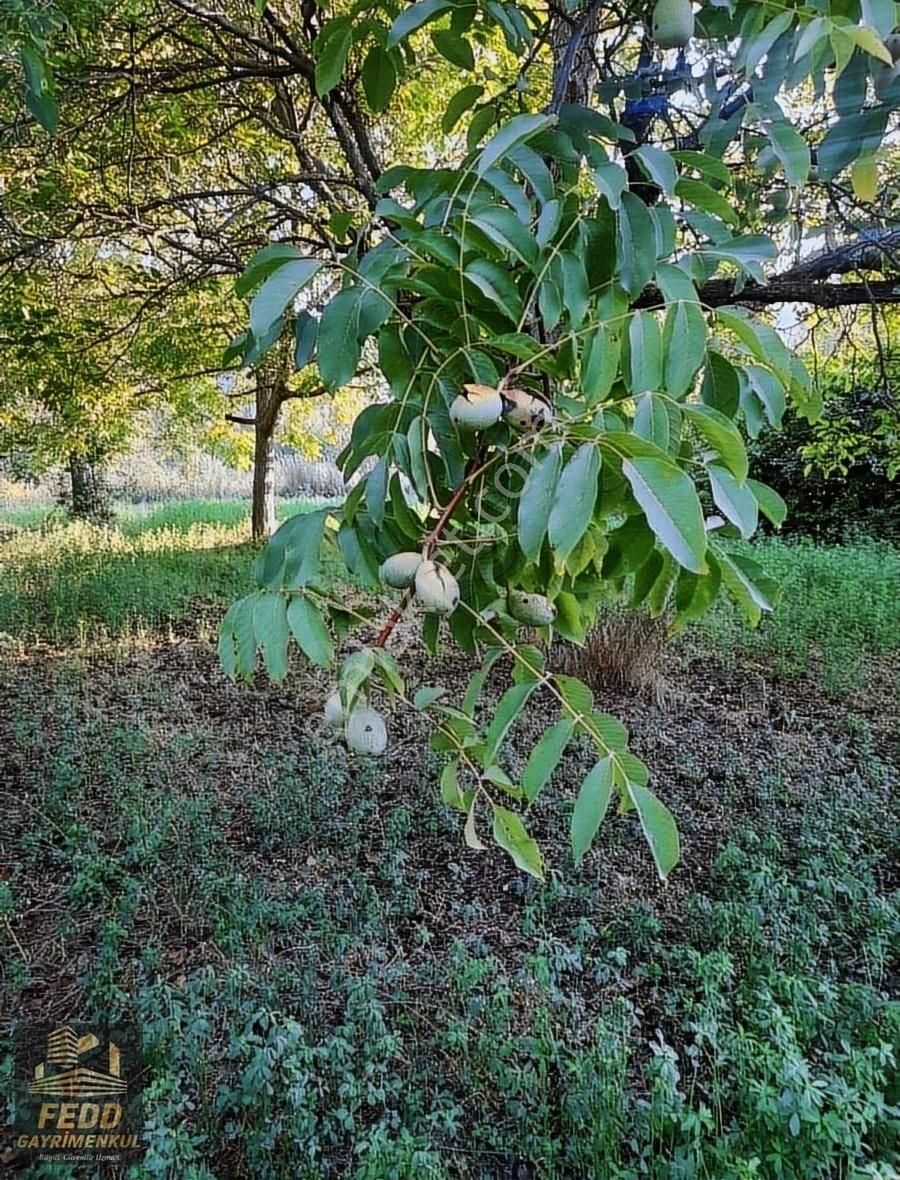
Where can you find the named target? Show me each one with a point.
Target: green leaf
(702, 196)
(550, 303)
(503, 228)
(536, 501)
(456, 50)
(722, 435)
(279, 291)
(755, 49)
(511, 835)
(339, 348)
(387, 669)
(721, 387)
(670, 503)
(575, 693)
(306, 329)
(517, 131)
(684, 346)
(734, 500)
(599, 365)
(869, 42)
(545, 756)
(770, 503)
(471, 836)
(508, 709)
(658, 165)
(450, 790)
(611, 180)
(263, 263)
(477, 680)
(658, 420)
(770, 391)
(791, 149)
(694, 596)
(309, 630)
(747, 252)
(496, 285)
(880, 15)
(534, 169)
(38, 95)
(815, 31)
(659, 828)
(675, 284)
(379, 78)
(479, 125)
(851, 136)
(644, 360)
(635, 244)
(237, 639)
(573, 504)
(271, 631)
(610, 730)
(291, 557)
(761, 339)
(332, 55)
(413, 18)
(575, 288)
(427, 695)
(512, 193)
(458, 105)
(748, 584)
(591, 807)
(355, 672)
(376, 491)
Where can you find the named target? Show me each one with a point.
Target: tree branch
(788, 288)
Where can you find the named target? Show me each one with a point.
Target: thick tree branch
(789, 288)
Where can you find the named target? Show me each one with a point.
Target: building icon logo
(76, 1094)
(74, 1081)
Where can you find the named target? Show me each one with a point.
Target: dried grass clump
(626, 650)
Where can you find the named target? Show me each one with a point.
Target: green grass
(839, 612)
(65, 581)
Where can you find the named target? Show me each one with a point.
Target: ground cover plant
(330, 983)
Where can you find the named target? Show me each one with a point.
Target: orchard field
(449, 582)
(330, 983)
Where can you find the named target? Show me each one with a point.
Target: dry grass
(626, 651)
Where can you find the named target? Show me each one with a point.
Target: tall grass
(839, 612)
(60, 580)
(63, 580)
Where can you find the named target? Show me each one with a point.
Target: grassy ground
(149, 569)
(330, 984)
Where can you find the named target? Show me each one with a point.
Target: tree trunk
(90, 496)
(263, 512)
(271, 391)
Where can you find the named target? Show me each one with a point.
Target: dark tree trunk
(271, 391)
(263, 513)
(90, 495)
(575, 72)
